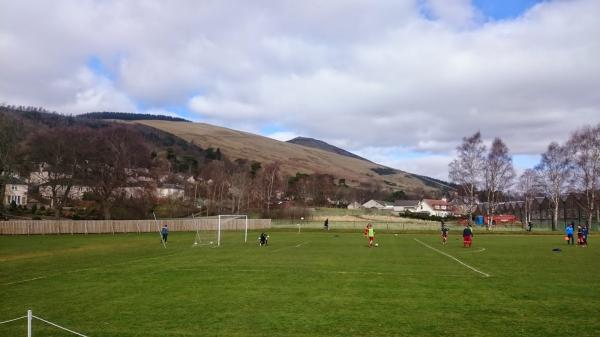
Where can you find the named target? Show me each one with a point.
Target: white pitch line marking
(453, 258)
(24, 281)
(288, 247)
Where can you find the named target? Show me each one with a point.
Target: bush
(425, 216)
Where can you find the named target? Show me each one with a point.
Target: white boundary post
(219, 232)
(159, 233)
(246, 231)
(29, 319)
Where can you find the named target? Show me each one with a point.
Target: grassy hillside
(294, 158)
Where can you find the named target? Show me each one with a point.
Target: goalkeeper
(263, 239)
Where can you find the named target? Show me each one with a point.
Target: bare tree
(553, 173)
(527, 187)
(61, 153)
(499, 175)
(584, 145)
(271, 182)
(467, 170)
(117, 153)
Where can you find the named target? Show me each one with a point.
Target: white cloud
(362, 74)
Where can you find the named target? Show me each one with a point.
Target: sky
(398, 82)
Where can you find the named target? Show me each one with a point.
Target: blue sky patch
(504, 9)
(95, 64)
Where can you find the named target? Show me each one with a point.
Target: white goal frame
(232, 217)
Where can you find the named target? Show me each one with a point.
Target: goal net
(209, 229)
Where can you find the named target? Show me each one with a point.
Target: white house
(435, 207)
(402, 206)
(378, 204)
(16, 191)
(75, 193)
(170, 191)
(354, 205)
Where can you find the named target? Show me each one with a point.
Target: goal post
(211, 227)
(225, 218)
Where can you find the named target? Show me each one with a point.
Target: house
(15, 191)
(354, 205)
(76, 192)
(435, 207)
(378, 204)
(170, 191)
(402, 206)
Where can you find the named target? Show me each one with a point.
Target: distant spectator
(326, 224)
(529, 226)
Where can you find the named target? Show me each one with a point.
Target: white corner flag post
(29, 319)
(159, 233)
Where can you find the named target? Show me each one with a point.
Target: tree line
(120, 166)
(572, 167)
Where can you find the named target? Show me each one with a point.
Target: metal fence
(32, 227)
(410, 226)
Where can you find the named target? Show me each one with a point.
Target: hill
(321, 145)
(296, 158)
(128, 116)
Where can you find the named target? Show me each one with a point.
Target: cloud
(283, 136)
(414, 75)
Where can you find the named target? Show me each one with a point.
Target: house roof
(170, 186)
(407, 203)
(435, 202)
(385, 203)
(15, 181)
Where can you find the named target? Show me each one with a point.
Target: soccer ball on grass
(376, 245)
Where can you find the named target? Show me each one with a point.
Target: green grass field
(307, 284)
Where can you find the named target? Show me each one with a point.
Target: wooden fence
(31, 227)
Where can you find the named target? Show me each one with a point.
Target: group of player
(467, 235)
(582, 234)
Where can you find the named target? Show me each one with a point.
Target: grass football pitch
(302, 284)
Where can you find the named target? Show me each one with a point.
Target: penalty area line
(453, 258)
(288, 247)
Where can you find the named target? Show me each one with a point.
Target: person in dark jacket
(263, 239)
(164, 232)
(444, 232)
(585, 231)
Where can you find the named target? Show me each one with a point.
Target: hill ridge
(296, 158)
(321, 145)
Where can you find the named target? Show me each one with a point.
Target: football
(376, 245)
